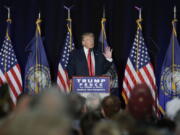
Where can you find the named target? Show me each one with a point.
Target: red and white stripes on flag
(62, 75)
(139, 68)
(9, 68)
(132, 77)
(62, 79)
(13, 78)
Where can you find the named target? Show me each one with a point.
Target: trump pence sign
(88, 85)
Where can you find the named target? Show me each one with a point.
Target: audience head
(172, 107)
(88, 121)
(140, 104)
(78, 105)
(177, 122)
(166, 124)
(39, 122)
(107, 127)
(111, 105)
(6, 104)
(51, 100)
(46, 114)
(150, 131)
(177, 130)
(23, 103)
(126, 123)
(93, 102)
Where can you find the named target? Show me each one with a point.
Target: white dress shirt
(93, 58)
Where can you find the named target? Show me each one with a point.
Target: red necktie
(90, 64)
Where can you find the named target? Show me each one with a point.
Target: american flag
(62, 75)
(9, 68)
(139, 68)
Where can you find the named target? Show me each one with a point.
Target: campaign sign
(89, 85)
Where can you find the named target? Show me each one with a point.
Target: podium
(87, 85)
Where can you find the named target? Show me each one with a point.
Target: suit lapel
(84, 60)
(96, 61)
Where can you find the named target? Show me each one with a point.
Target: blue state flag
(170, 72)
(102, 37)
(112, 72)
(37, 73)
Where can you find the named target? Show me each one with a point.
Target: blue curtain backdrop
(86, 15)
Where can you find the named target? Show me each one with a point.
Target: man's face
(88, 42)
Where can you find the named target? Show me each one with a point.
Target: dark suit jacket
(78, 64)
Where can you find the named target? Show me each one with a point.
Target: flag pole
(7, 35)
(38, 31)
(174, 12)
(38, 24)
(69, 25)
(9, 11)
(104, 13)
(8, 20)
(173, 51)
(102, 28)
(138, 21)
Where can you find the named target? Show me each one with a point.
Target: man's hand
(108, 53)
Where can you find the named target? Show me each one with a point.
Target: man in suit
(87, 61)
